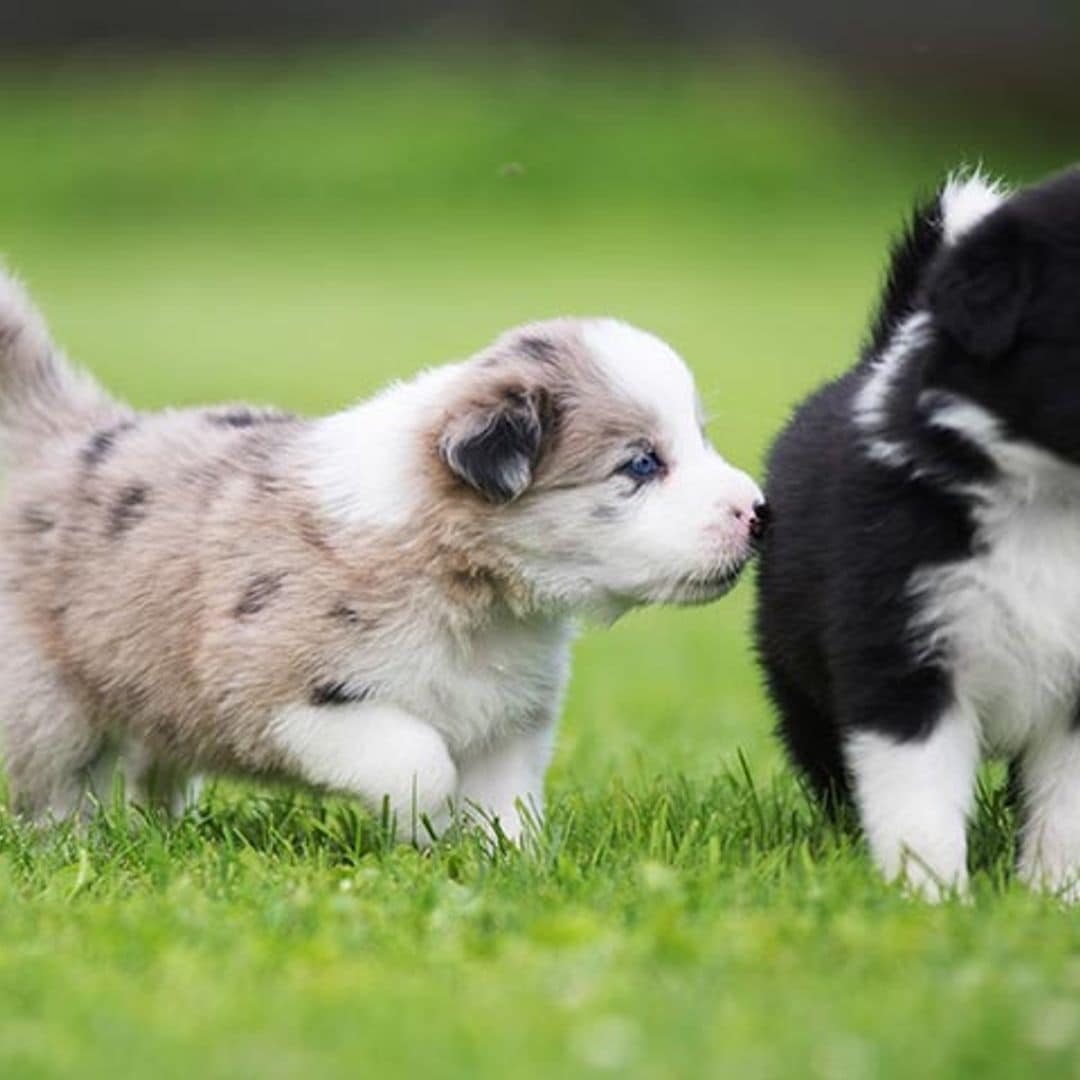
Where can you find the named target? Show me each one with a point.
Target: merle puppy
(919, 599)
(378, 602)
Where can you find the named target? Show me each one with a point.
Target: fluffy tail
(41, 394)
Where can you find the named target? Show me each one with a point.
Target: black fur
(339, 693)
(246, 418)
(909, 257)
(347, 614)
(101, 443)
(501, 447)
(834, 610)
(128, 509)
(259, 591)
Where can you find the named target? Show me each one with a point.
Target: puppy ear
(495, 446)
(981, 287)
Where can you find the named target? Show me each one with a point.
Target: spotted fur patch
(128, 509)
(259, 591)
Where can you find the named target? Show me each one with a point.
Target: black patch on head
(247, 418)
(257, 594)
(339, 693)
(36, 519)
(128, 509)
(101, 443)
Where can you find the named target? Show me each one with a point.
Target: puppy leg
(811, 739)
(1050, 836)
(373, 752)
(154, 784)
(914, 798)
(505, 784)
(50, 744)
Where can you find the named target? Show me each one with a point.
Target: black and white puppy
(919, 600)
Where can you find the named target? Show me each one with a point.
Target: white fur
(505, 784)
(481, 689)
(967, 198)
(1032, 473)
(1006, 619)
(363, 462)
(648, 370)
(871, 403)
(1007, 616)
(1050, 844)
(373, 752)
(887, 452)
(976, 424)
(914, 799)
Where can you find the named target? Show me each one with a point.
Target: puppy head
(580, 447)
(1006, 297)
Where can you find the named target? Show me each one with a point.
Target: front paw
(921, 882)
(516, 825)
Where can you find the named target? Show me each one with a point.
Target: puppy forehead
(643, 367)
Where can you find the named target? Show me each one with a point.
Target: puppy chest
(505, 680)
(1009, 621)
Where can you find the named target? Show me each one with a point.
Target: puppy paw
(1059, 878)
(920, 882)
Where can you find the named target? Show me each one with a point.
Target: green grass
(299, 231)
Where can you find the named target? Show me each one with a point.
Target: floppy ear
(981, 287)
(494, 446)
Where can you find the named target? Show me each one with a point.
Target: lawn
(300, 229)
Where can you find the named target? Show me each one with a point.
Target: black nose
(759, 523)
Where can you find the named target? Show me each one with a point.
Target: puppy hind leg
(811, 740)
(50, 744)
(915, 796)
(1050, 796)
(152, 783)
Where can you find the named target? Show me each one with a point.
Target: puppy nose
(758, 524)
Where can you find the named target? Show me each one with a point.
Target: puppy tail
(41, 394)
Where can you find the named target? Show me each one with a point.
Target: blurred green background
(299, 223)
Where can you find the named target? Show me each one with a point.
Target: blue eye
(643, 465)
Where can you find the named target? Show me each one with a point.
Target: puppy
(378, 603)
(919, 601)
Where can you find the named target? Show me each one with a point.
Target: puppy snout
(755, 519)
(760, 516)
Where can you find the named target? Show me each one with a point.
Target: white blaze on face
(690, 526)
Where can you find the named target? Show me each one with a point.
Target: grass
(301, 229)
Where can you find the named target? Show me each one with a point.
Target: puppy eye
(643, 465)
